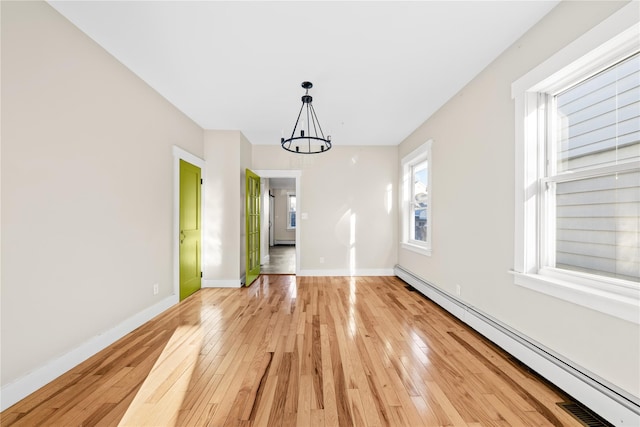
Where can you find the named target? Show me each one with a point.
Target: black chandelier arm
(293, 132)
(315, 120)
(309, 125)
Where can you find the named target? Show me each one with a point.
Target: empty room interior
(301, 213)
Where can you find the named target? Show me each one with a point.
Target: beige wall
(349, 195)
(87, 191)
(473, 209)
(227, 154)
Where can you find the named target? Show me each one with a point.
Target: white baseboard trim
(230, 283)
(347, 272)
(610, 402)
(285, 242)
(22, 387)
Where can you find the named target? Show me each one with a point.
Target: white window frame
(415, 157)
(614, 39)
(288, 207)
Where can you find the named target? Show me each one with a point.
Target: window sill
(415, 248)
(626, 307)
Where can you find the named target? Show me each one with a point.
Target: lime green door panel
(253, 226)
(190, 229)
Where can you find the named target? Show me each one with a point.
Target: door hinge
(201, 274)
(201, 181)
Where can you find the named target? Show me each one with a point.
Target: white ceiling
(379, 68)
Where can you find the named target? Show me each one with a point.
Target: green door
(253, 226)
(190, 232)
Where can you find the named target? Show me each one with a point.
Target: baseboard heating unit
(610, 402)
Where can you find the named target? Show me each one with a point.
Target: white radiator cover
(605, 399)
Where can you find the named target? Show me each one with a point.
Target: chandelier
(311, 139)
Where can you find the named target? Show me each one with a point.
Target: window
(416, 200)
(578, 178)
(592, 180)
(291, 211)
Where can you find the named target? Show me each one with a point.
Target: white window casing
(291, 210)
(421, 159)
(539, 243)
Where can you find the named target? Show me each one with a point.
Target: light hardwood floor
(304, 351)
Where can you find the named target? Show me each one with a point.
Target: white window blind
(599, 119)
(593, 201)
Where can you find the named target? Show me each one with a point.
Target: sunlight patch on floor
(159, 400)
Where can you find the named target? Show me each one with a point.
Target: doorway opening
(280, 228)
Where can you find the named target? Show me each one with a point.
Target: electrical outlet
(156, 288)
(458, 290)
(321, 260)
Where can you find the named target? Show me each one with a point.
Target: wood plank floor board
(426, 412)
(201, 380)
(287, 351)
(303, 417)
(202, 409)
(441, 416)
(463, 390)
(99, 400)
(37, 398)
(376, 369)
